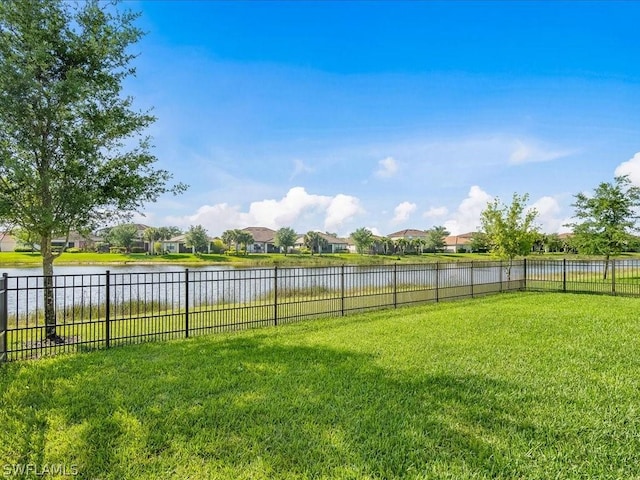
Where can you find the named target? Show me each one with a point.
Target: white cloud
(550, 215)
(467, 217)
(297, 209)
(435, 212)
(299, 168)
(403, 211)
(341, 209)
(630, 167)
(531, 152)
(387, 167)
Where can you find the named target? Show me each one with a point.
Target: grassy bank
(9, 259)
(507, 386)
(16, 259)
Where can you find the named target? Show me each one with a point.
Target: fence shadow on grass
(246, 407)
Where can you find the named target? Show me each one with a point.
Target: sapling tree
(510, 229)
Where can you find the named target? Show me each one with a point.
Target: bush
(23, 249)
(217, 246)
(117, 250)
(73, 250)
(102, 247)
(138, 250)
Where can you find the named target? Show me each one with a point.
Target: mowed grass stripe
(525, 385)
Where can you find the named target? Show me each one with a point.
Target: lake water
(168, 284)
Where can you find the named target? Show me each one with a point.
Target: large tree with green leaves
(606, 220)
(435, 240)
(197, 239)
(72, 150)
(510, 229)
(123, 236)
(285, 238)
(363, 238)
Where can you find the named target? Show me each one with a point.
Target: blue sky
(388, 115)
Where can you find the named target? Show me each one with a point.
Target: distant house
(8, 242)
(409, 234)
(175, 244)
(458, 243)
(334, 244)
(263, 240)
(76, 240)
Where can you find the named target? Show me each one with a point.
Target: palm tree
(244, 238)
(402, 244)
(229, 238)
(313, 241)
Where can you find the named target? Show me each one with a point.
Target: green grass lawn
(255, 259)
(525, 385)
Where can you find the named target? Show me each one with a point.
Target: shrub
(138, 250)
(23, 249)
(73, 250)
(117, 250)
(217, 246)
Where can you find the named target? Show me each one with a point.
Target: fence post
(395, 285)
(107, 309)
(564, 274)
(472, 262)
(437, 282)
(186, 303)
(275, 296)
(501, 275)
(342, 290)
(4, 311)
(524, 265)
(613, 277)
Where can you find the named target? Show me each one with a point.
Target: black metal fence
(102, 310)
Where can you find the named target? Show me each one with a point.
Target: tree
(72, 154)
(151, 235)
(417, 244)
(285, 237)
(510, 229)
(401, 244)
(436, 238)
(606, 220)
(167, 233)
(229, 238)
(244, 238)
(363, 238)
(479, 242)
(387, 245)
(123, 236)
(314, 242)
(197, 239)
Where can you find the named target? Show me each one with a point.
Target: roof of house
(261, 234)
(462, 239)
(408, 233)
(331, 240)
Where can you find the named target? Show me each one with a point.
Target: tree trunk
(49, 291)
